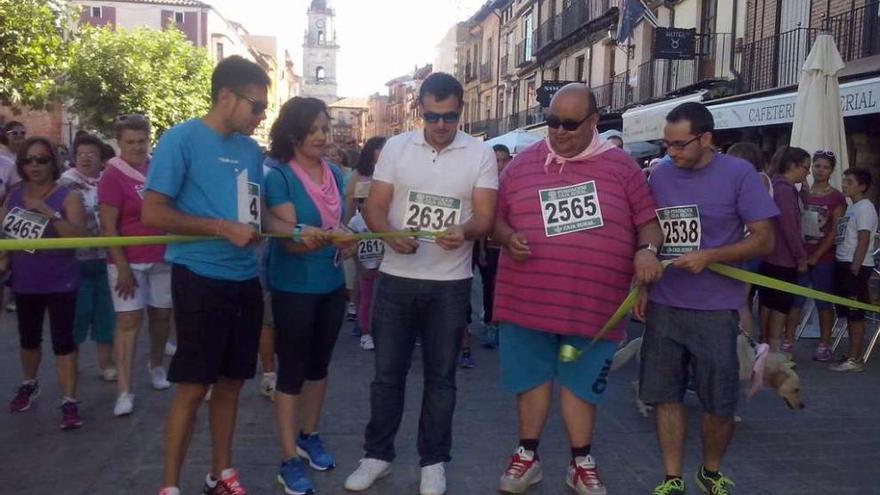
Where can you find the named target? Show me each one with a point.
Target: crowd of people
(560, 234)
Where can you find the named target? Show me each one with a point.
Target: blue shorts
(820, 278)
(530, 358)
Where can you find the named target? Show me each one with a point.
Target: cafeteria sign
(674, 43)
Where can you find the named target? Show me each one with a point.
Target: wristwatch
(297, 231)
(650, 247)
(56, 215)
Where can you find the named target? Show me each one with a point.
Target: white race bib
(248, 197)
(431, 212)
(681, 228)
(362, 189)
(370, 252)
(23, 224)
(570, 209)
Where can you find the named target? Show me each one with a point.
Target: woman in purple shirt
(44, 279)
(789, 166)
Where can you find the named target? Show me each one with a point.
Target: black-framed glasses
(555, 122)
(16, 132)
(680, 145)
(257, 106)
(823, 154)
(448, 117)
(39, 160)
(133, 117)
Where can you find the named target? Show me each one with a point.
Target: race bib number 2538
(681, 229)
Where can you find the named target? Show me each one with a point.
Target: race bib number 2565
(570, 209)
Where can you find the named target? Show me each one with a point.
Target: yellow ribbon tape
(99, 242)
(568, 353)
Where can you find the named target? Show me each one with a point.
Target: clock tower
(319, 53)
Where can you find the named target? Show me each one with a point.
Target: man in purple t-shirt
(704, 201)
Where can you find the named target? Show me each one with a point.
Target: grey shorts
(680, 341)
(268, 320)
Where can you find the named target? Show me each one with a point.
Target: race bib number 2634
(431, 212)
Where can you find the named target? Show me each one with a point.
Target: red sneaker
(70, 419)
(523, 471)
(583, 477)
(228, 484)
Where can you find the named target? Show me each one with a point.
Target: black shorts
(218, 327)
(31, 308)
(851, 287)
(306, 329)
(774, 299)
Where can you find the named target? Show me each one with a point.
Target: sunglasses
(825, 153)
(39, 160)
(257, 106)
(555, 122)
(679, 145)
(448, 118)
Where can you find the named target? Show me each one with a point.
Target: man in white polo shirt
(435, 179)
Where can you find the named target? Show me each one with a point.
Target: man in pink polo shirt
(576, 219)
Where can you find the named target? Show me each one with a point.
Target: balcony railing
(857, 32)
(486, 71)
(524, 118)
(490, 127)
(570, 20)
(775, 61)
(657, 78)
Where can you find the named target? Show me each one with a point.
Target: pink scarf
(127, 170)
(325, 195)
(597, 147)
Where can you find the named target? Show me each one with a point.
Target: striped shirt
(573, 282)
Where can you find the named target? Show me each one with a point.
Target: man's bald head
(572, 119)
(574, 97)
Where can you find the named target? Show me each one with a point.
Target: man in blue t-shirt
(206, 179)
(705, 201)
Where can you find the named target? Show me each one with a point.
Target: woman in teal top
(306, 280)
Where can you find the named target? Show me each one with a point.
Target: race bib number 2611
(570, 209)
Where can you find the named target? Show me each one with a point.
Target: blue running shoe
(312, 449)
(292, 477)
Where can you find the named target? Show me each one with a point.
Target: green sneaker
(670, 487)
(722, 485)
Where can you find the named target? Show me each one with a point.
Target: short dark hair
(441, 85)
(787, 158)
(696, 113)
(827, 155)
(11, 125)
(749, 152)
(862, 175)
(131, 122)
(107, 152)
(87, 140)
(235, 72)
(366, 163)
(293, 124)
(502, 148)
(23, 152)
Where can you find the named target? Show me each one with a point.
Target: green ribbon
(104, 242)
(568, 353)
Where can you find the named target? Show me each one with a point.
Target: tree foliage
(155, 73)
(33, 35)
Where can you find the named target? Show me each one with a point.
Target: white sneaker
(267, 385)
(159, 378)
(110, 374)
(170, 490)
(433, 480)
(366, 474)
(170, 348)
(208, 393)
(523, 471)
(367, 343)
(583, 477)
(124, 404)
(850, 365)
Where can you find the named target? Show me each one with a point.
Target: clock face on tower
(319, 23)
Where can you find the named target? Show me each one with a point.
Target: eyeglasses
(448, 118)
(823, 153)
(16, 132)
(679, 145)
(257, 106)
(555, 122)
(86, 154)
(136, 117)
(39, 160)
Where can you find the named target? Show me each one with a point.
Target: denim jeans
(402, 309)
